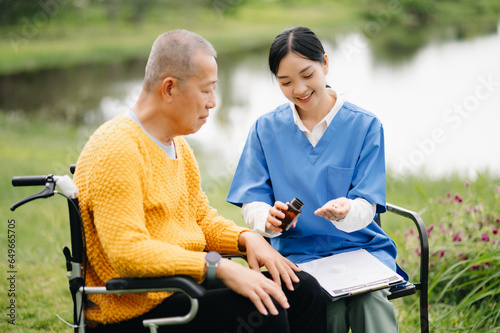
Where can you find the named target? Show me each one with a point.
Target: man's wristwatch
(212, 258)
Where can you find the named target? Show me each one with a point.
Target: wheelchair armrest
(185, 283)
(423, 238)
(401, 291)
(231, 256)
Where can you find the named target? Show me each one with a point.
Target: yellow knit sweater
(144, 214)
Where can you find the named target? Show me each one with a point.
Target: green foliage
(52, 33)
(464, 276)
(135, 11)
(398, 29)
(97, 32)
(13, 11)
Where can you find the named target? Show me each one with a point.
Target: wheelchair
(184, 284)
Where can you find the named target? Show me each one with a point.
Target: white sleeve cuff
(255, 216)
(360, 216)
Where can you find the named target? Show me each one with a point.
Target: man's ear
(167, 86)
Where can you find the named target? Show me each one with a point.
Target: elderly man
(145, 214)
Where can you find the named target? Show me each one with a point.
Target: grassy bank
(31, 147)
(89, 37)
(83, 33)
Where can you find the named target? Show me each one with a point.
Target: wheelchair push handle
(29, 180)
(65, 183)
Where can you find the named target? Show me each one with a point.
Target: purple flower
(441, 254)
(485, 237)
(429, 229)
(476, 267)
(458, 198)
(457, 238)
(467, 184)
(495, 230)
(439, 200)
(448, 194)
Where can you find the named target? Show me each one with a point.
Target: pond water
(440, 109)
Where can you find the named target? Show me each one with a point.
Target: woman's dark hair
(299, 40)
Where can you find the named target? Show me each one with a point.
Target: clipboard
(350, 273)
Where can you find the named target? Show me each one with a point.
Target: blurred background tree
(407, 24)
(410, 24)
(12, 11)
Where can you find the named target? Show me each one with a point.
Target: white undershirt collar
(319, 129)
(170, 149)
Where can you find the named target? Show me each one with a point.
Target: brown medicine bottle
(291, 215)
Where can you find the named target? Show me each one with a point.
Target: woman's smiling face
(302, 80)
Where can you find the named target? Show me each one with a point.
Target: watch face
(213, 257)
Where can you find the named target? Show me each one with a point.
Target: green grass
(40, 227)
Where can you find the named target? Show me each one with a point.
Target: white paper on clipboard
(351, 273)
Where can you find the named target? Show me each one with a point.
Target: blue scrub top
(279, 163)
